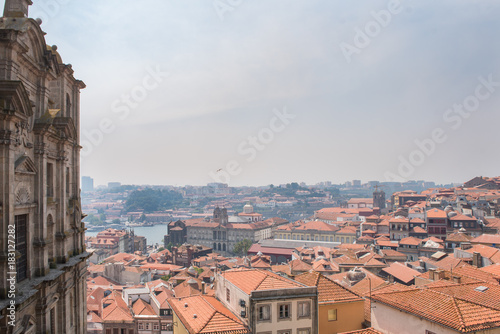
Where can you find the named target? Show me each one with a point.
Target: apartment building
(269, 303)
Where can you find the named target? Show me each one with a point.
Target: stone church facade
(41, 229)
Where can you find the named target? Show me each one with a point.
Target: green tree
(160, 249)
(116, 221)
(241, 248)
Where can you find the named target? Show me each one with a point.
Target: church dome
(248, 208)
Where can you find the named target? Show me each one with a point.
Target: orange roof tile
(401, 272)
(140, 307)
(457, 313)
(487, 239)
(328, 290)
(364, 331)
(249, 280)
(205, 314)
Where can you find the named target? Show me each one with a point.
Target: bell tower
(16, 8)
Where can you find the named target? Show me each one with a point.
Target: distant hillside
(151, 200)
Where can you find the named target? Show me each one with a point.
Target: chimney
(439, 274)
(465, 246)
(203, 288)
(456, 279)
(477, 260)
(431, 274)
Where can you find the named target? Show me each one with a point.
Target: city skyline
(177, 93)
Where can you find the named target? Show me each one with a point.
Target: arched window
(218, 248)
(224, 247)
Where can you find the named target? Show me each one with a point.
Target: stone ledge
(28, 288)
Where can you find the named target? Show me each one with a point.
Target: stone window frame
(307, 329)
(289, 318)
(269, 306)
(299, 308)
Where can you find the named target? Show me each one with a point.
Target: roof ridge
(460, 315)
(213, 315)
(210, 304)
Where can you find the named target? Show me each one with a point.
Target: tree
(116, 221)
(242, 247)
(166, 278)
(160, 249)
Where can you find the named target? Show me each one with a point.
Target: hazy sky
(282, 90)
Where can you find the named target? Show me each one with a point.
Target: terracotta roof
(458, 237)
(392, 253)
(363, 331)
(491, 253)
(487, 239)
(436, 213)
(328, 290)
(448, 262)
(453, 312)
(140, 307)
(493, 269)
(418, 229)
(475, 273)
(249, 280)
(205, 314)
(461, 217)
(190, 287)
(482, 293)
(401, 272)
(412, 241)
(114, 309)
(323, 265)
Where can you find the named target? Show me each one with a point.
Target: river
(154, 234)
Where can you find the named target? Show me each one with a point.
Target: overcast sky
(275, 91)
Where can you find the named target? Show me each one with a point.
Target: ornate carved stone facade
(39, 177)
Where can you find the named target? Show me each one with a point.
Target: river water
(154, 234)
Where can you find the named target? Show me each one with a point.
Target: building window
(141, 326)
(304, 309)
(108, 331)
(156, 327)
(303, 331)
(286, 331)
(284, 311)
(147, 326)
(264, 312)
(332, 315)
(228, 295)
(21, 223)
(163, 327)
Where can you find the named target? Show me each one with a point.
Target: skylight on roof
(481, 288)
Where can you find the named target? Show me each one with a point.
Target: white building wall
(392, 321)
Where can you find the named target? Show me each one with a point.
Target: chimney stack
(477, 260)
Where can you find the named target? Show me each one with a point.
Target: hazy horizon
(261, 92)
